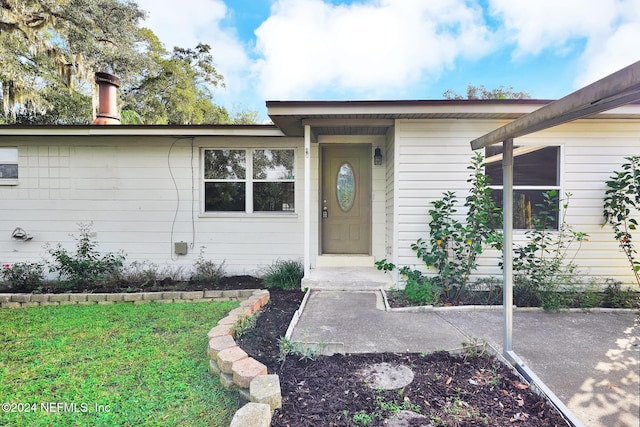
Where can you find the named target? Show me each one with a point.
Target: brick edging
(238, 371)
(8, 300)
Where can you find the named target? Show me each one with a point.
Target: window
(536, 170)
(249, 181)
(8, 165)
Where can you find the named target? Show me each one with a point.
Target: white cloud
(537, 25)
(194, 21)
(615, 51)
(183, 24)
(603, 33)
(310, 47)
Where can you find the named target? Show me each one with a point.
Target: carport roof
(615, 90)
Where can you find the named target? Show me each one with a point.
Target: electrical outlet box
(180, 248)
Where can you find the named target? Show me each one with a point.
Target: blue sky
(400, 49)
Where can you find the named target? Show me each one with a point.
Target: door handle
(325, 212)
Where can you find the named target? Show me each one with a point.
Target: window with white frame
(536, 171)
(8, 165)
(249, 180)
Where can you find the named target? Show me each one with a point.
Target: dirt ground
(447, 390)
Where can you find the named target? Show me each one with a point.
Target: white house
(331, 183)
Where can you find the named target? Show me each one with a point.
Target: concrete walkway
(591, 361)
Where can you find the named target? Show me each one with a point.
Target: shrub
(485, 291)
(22, 276)
(283, 274)
(622, 199)
(86, 266)
(453, 247)
(543, 260)
(615, 296)
(423, 290)
(206, 271)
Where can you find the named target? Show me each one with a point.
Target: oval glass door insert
(345, 187)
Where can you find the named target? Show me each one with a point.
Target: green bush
(22, 276)
(423, 290)
(283, 274)
(621, 205)
(207, 271)
(453, 246)
(85, 267)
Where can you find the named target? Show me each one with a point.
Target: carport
(615, 90)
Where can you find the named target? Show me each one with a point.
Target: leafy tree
(63, 43)
(64, 108)
(177, 90)
(245, 117)
(481, 92)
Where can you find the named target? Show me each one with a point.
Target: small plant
(363, 418)
(244, 324)
(22, 276)
(621, 202)
(302, 351)
(422, 290)
(206, 271)
(615, 296)
(141, 274)
(474, 347)
(283, 274)
(86, 266)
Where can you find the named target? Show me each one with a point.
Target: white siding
(434, 155)
(142, 194)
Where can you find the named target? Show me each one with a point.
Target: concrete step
(346, 279)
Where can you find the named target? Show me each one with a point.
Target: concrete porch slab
(346, 279)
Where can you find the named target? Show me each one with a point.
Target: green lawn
(111, 365)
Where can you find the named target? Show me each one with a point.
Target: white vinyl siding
(434, 156)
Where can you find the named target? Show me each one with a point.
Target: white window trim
(11, 181)
(248, 180)
(558, 187)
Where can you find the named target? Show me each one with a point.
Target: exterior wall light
(377, 157)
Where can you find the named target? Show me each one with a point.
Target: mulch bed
(165, 285)
(450, 390)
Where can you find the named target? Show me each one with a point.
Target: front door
(346, 199)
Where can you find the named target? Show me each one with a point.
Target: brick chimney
(108, 85)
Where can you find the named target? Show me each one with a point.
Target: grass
(112, 365)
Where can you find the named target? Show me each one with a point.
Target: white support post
(507, 249)
(307, 200)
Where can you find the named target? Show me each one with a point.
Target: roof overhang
(376, 117)
(615, 90)
(182, 131)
